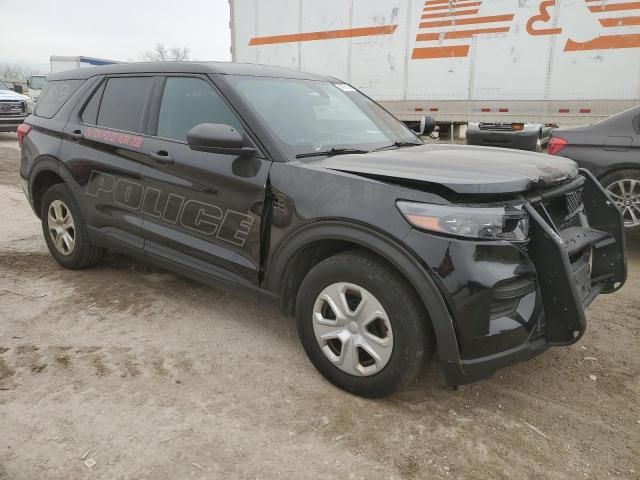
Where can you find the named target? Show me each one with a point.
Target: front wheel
(361, 325)
(624, 189)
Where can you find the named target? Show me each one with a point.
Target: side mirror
(18, 88)
(218, 138)
(427, 125)
(28, 83)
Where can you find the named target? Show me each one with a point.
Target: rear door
(102, 147)
(202, 211)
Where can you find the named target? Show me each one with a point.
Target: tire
(74, 251)
(624, 188)
(400, 322)
(538, 146)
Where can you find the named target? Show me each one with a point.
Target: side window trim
(93, 91)
(153, 118)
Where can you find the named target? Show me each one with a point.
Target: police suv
(299, 188)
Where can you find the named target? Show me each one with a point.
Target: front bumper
(509, 303)
(521, 140)
(11, 123)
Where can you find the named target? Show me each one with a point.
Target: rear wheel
(361, 325)
(624, 188)
(65, 230)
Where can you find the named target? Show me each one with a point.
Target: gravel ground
(127, 371)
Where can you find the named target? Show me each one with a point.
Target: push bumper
(567, 265)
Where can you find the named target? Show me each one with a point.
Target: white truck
(59, 63)
(504, 68)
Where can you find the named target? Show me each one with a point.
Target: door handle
(77, 134)
(162, 156)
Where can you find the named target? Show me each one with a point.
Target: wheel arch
(304, 249)
(48, 172)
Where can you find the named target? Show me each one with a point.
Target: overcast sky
(32, 31)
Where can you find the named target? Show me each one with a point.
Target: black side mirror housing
(218, 138)
(427, 125)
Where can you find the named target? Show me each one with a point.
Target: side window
(90, 113)
(123, 102)
(186, 102)
(54, 96)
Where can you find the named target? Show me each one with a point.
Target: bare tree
(16, 71)
(162, 54)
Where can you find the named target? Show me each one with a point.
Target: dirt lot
(127, 371)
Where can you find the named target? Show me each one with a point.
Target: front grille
(12, 107)
(566, 210)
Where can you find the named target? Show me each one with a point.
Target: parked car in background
(609, 149)
(523, 136)
(14, 108)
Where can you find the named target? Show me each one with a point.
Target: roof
(224, 68)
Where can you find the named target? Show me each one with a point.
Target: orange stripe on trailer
(485, 110)
(452, 7)
(563, 110)
(467, 21)
(425, 37)
(585, 110)
(620, 22)
(453, 13)
(471, 33)
(326, 35)
(440, 52)
(604, 42)
(615, 7)
(436, 2)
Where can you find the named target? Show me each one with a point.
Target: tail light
(556, 144)
(23, 131)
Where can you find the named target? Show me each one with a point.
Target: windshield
(315, 116)
(3, 86)
(36, 83)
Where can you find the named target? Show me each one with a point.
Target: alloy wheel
(61, 227)
(352, 329)
(626, 195)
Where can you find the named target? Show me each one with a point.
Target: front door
(201, 211)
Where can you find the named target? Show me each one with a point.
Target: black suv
(299, 188)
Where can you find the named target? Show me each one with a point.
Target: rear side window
(123, 102)
(54, 96)
(187, 102)
(90, 112)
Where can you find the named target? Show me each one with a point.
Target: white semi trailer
(491, 63)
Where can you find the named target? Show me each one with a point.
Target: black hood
(461, 168)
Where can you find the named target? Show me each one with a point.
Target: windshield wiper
(398, 144)
(332, 152)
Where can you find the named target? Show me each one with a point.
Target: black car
(610, 150)
(299, 188)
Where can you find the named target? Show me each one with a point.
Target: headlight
(30, 106)
(490, 223)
